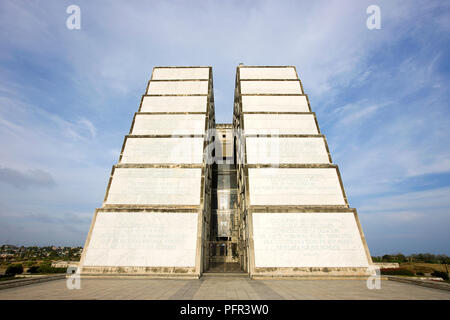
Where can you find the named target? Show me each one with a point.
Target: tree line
(417, 257)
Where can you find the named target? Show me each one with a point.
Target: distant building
(388, 265)
(64, 264)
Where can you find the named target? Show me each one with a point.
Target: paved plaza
(225, 288)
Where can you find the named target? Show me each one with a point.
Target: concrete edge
(423, 283)
(138, 276)
(23, 282)
(315, 277)
(225, 275)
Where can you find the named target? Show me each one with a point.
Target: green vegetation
(33, 269)
(30, 255)
(49, 269)
(14, 269)
(35, 260)
(396, 272)
(420, 257)
(17, 268)
(6, 278)
(440, 274)
(420, 264)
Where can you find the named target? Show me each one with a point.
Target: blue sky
(67, 98)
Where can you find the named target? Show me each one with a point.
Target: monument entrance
(223, 238)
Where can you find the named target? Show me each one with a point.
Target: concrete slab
(180, 73)
(178, 87)
(286, 150)
(275, 104)
(150, 239)
(270, 87)
(316, 239)
(174, 104)
(169, 124)
(267, 73)
(163, 150)
(294, 186)
(280, 124)
(169, 186)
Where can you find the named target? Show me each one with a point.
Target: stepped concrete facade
(296, 220)
(151, 221)
(259, 196)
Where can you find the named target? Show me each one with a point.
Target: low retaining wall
(26, 281)
(423, 283)
(386, 265)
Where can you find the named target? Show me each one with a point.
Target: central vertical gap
(223, 237)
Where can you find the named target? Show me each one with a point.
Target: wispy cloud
(34, 177)
(437, 198)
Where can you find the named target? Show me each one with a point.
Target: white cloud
(406, 202)
(89, 126)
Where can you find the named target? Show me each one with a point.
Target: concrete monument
(266, 199)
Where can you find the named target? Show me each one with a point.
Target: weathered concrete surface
(180, 73)
(174, 104)
(319, 239)
(295, 186)
(280, 124)
(174, 124)
(284, 241)
(163, 150)
(270, 87)
(275, 104)
(169, 186)
(227, 288)
(178, 87)
(268, 73)
(286, 150)
(150, 239)
(152, 220)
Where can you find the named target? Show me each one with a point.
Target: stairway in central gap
(223, 240)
